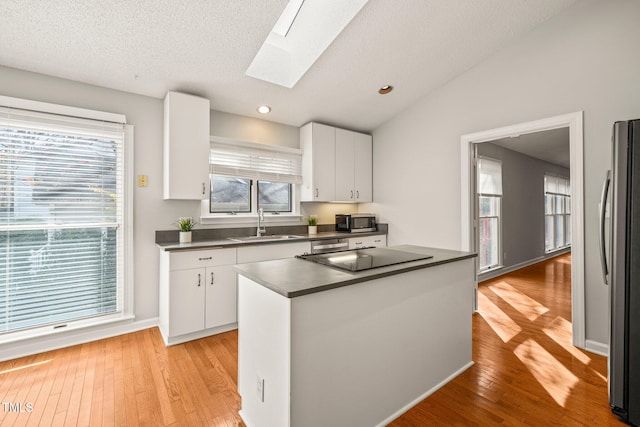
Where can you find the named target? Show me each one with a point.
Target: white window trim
(563, 215)
(128, 292)
(284, 218)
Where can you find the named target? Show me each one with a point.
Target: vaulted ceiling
(205, 46)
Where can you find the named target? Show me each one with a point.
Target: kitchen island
(319, 346)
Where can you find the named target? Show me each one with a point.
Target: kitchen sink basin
(273, 237)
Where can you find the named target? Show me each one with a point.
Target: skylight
(304, 30)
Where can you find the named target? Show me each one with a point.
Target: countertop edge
(228, 243)
(243, 270)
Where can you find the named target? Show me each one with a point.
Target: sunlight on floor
(559, 330)
(530, 308)
(556, 379)
(499, 321)
(18, 368)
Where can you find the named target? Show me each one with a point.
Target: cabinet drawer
(196, 259)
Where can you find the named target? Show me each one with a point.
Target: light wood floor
(525, 373)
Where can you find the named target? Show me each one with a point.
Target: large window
(557, 210)
(489, 189)
(246, 177)
(61, 219)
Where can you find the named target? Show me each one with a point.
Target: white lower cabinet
(367, 242)
(221, 297)
(198, 292)
(272, 251)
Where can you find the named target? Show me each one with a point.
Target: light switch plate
(143, 180)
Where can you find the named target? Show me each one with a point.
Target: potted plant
(312, 221)
(185, 225)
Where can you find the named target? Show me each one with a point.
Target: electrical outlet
(260, 388)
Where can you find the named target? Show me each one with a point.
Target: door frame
(574, 121)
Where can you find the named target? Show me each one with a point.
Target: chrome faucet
(261, 229)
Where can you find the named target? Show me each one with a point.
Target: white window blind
(489, 177)
(255, 161)
(61, 219)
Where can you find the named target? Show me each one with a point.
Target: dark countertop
(228, 243)
(294, 277)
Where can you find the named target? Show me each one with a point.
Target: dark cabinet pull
(199, 279)
(212, 278)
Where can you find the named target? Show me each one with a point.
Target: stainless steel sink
(273, 237)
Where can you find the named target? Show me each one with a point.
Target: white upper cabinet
(354, 162)
(318, 143)
(345, 160)
(186, 146)
(363, 167)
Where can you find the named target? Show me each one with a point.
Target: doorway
(573, 122)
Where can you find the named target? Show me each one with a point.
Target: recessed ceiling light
(264, 109)
(385, 89)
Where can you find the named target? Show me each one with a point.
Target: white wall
(584, 59)
(151, 212)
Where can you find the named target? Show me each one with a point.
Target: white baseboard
(42, 344)
(504, 270)
(597, 348)
(423, 396)
(197, 335)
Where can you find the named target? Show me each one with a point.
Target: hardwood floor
(525, 373)
(129, 380)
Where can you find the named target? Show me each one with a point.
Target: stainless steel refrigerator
(620, 254)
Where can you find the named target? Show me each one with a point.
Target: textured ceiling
(205, 46)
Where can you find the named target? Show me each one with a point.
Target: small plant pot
(313, 229)
(185, 237)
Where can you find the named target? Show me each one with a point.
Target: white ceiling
(550, 145)
(205, 46)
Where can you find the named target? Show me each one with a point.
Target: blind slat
(61, 216)
(489, 177)
(255, 161)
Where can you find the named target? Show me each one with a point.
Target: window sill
(251, 219)
(208, 218)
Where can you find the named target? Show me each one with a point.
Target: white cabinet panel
(186, 147)
(186, 295)
(272, 251)
(336, 164)
(318, 143)
(363, 167)
(221, 296)
(197, 291)
(204, 258)
(367, 241)
(345, 161)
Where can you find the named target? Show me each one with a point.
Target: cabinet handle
(358, 243)
(352, 194)
(203, 188)
(317, 192)
(357, 194)
(199, 278)
(205, 258)
(212, 277)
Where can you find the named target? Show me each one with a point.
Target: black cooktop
(364, 259)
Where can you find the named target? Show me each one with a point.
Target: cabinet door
(221, 299)
(367, 242)
(318, 143)
(272, 251)
(363, 157)
(186, 301)
(345, 162)
(186, 146)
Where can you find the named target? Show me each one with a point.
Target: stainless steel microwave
(356, 223)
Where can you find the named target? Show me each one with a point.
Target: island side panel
(264, 320)
(364, 354)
